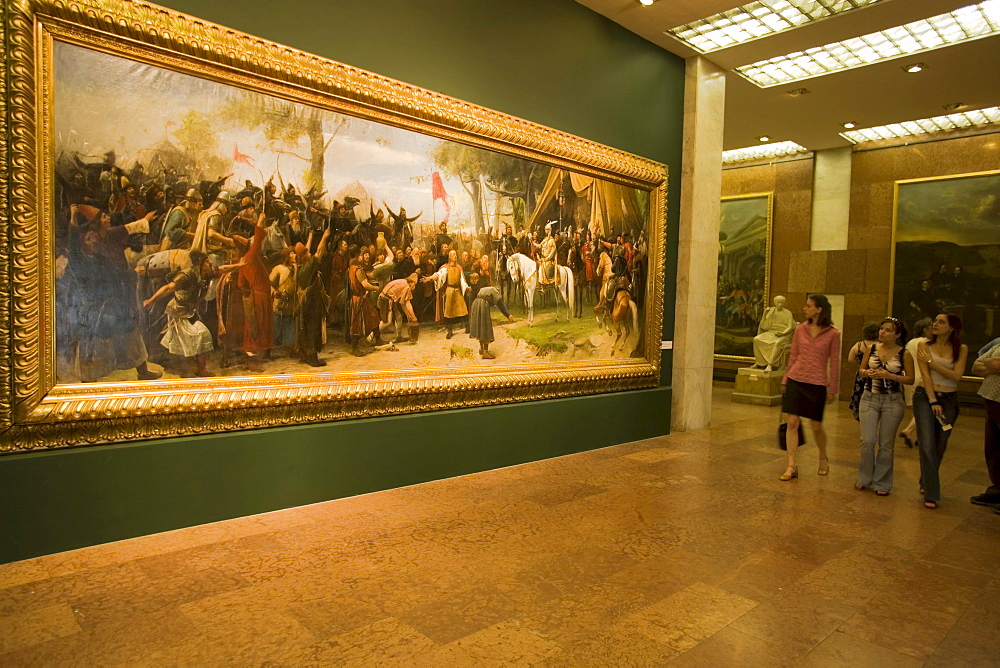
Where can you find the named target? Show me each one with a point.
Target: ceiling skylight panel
(758, 19)
(825, 60)
(908, 44)
(811, 8)
(967, 119)
(964, 24)
(773, 150)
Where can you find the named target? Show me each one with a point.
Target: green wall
(550, 61)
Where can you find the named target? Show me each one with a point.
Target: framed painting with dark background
(946, 253)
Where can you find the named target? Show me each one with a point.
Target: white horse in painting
(524, 272)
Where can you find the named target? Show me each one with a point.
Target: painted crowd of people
(158, 267)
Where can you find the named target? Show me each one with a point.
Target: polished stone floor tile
(729, 647)
(503, 644)
(684, 549)
(684, 619)
(842, 650)
(902, 623)
(36, 626)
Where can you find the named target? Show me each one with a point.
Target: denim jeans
(880, 415)
(933, 441)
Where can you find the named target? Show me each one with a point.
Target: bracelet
(935, 403)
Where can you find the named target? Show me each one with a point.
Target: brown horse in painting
(623, 313)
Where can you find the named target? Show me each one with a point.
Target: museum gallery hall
(452, 333)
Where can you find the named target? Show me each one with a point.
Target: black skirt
(804, 399)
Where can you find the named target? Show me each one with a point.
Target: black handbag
(783, 431)
(859, 389)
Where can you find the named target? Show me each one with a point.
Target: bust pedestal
(756, 386)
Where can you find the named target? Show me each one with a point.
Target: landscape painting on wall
(946, 253)
(744, 259)
(208, 231)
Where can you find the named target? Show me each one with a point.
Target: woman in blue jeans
(935, 405)
(886, 367)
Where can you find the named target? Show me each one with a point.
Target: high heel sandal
(786, 476)
(930, 505)
(824, 467)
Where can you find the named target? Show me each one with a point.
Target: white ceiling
(873, 95)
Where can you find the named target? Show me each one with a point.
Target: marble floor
(681, 550)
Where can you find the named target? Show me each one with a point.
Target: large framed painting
(946, 253)
(744, 273)
(204, 231)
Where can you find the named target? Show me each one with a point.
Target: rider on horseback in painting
(547, 255)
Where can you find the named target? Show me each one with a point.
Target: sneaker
(986, 500)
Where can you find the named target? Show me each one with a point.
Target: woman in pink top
(812, 379)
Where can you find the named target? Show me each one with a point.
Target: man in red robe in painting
(255, 286)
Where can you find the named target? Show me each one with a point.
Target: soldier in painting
(363, 316)
(481, 319)
(451, 287)
(186, 335)
(178, 231)
(282, 279)
(311, 300)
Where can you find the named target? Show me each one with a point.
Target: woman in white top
(942, 361)
(921, 331)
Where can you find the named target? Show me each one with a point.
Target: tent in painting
(356, 190)
(614, 208)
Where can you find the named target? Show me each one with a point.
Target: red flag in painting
(438, 193)
(437, 187)
(241, 157)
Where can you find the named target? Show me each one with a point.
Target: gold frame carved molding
(37, 413)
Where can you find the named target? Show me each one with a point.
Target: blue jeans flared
(880, 415)
(933, 440)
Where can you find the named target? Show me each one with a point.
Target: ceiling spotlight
(795, 92)
(849, 125)
(914, 67)
(763, 138)
(646, 3)
(953, 106)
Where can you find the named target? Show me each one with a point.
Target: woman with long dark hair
(935, 404)
(856, 355)
(812, 379)
(886, 367)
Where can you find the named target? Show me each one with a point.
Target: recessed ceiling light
(754, 20)
(850, 125)
(914, 67)
(963, 119)
(953, 106)
(774, 150)
(964, 24)
(763, 138)
(647, 3)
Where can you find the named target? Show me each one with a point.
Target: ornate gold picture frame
(66, 327)
(744, 280)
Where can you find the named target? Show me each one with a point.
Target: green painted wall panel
(550, 61)
(59, 500)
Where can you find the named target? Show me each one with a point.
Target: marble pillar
(831, 202)
(698, 244)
